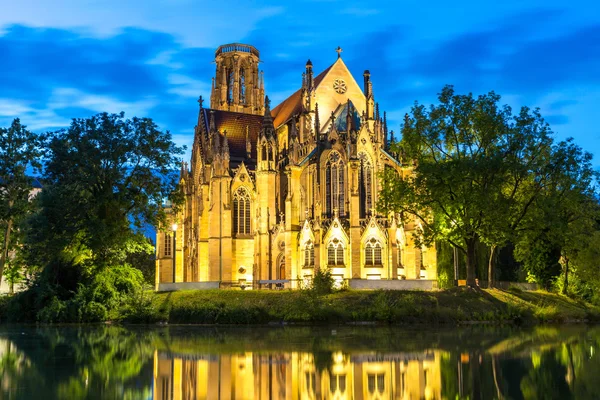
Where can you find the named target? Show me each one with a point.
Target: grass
(454, 306)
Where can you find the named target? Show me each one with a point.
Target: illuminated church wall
(271, 194)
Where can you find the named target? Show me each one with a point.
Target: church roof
(235, 124)
(293, 104)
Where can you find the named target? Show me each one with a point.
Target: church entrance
(281, 266)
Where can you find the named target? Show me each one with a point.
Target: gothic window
(242, 86)
(230, 78)
(241, 212)
(365, 183)
(168, 245)
(335, 253)
(309, 254)
(334, 184)
(373, 253)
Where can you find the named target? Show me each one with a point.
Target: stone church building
(274, 193)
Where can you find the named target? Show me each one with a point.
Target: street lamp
(174, 228)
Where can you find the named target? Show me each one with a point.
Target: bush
(322, 282)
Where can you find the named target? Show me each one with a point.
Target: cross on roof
(339, 51)
(200, 101)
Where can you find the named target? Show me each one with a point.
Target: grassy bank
(454, 306)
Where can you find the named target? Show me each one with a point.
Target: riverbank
(455, 306)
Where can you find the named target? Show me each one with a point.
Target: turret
(236, 85)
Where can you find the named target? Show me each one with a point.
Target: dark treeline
(73, 243)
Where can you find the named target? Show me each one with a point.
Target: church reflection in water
(297, 376)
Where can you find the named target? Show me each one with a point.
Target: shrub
(53, 312)
(322, 282)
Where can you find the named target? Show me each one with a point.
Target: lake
(342, 362)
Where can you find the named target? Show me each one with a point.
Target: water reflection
(298, 375)
(298, 363)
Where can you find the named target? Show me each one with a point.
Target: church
(273, 194)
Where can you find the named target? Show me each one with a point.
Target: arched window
(167, 246)
(230, 79)
(335, 253)
(365, 179)
(334, 182)
(373, 253)
(242, 86)
(309, 254)
(241, 212)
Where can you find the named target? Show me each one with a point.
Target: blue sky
(74, 58)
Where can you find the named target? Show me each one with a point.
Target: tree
(477, 171)
(20, 153)
(107, 176)
(563, 217)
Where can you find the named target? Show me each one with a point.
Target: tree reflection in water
(298, 363)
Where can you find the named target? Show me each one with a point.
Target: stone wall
(170, 287)
(392, 284)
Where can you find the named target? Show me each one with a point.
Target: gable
(327, 97)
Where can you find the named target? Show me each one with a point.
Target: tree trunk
(4, 255)
(566, 280)
(491, 267)
(471, 261)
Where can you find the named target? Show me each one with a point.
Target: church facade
(274, 193)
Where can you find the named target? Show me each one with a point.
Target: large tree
(106, 175)
(477, 171)
(20, 154)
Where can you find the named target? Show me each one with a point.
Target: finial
(317, 122)
(308, 63)
(200, 101)
(211, 122)
(385, 128)
(267, 104)
(339, 51)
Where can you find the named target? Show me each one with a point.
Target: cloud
(53, 75)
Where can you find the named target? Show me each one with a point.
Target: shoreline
(453, 307)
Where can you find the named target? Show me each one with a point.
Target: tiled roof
(235, 124)
(293, 104)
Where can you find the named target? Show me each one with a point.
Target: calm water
(299, 363)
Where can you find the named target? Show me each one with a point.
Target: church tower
(238, 85)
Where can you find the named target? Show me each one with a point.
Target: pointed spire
(317, 122)
(211, 122)
(268, 129)
(248, 143)
(293, 130)
(377, 111)
(385, 127)
(225, 148)
(349, 126)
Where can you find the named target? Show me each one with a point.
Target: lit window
(335, 252)
(309, 255)
(334, 184)
(241, 212)
(365, 179)
(373, 253)
(167, 245)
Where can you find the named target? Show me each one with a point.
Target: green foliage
(322, 282)
(20, 150)
(485, 175)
